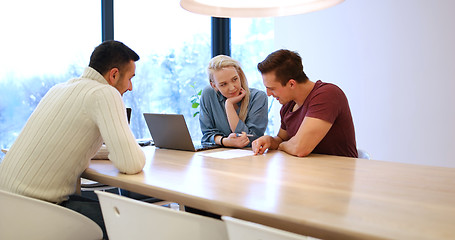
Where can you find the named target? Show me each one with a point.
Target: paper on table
(227, 154)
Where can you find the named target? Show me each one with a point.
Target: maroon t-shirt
(326, 102)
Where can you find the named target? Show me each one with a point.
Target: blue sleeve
(207, 116)
(257, 117)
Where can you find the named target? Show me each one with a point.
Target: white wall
(395, 60)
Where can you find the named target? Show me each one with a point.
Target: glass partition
(43, 43)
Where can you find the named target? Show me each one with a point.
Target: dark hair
(111, 54)
(286, 65)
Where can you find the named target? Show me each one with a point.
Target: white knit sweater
(63, 133)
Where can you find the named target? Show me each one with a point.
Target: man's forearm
(275, 143)
(293, 148)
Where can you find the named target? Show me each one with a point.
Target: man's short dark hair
(111, 54)
(286, 65)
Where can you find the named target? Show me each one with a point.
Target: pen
(248, 135)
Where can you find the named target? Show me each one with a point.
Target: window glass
(43, 43)
(252, 40)
(174, 46)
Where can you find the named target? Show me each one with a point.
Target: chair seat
(28, 218)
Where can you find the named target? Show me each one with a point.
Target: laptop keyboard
(145, 142)
(205, 146)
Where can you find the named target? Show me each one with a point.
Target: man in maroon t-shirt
(315, 117)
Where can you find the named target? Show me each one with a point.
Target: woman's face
(227, 81)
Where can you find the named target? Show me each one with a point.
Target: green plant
(195, 100)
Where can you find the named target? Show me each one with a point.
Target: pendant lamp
(255, 8)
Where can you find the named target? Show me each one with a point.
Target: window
(174, 46)
(46, 45)
(252, 40)
(43, 43)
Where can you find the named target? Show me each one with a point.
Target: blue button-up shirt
(213, 118)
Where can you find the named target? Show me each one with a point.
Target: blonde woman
(231, 115)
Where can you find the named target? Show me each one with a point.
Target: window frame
(221, 29)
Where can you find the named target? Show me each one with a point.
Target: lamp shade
(255, 8)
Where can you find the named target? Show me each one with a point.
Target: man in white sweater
(69, 126)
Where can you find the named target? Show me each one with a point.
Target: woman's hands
(236, 140)
(236, 99)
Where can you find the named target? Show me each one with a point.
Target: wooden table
(321, 196)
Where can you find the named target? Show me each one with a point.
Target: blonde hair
(222, 61)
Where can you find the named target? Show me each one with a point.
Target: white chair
(244, 230)
(126, 218)
(363, 154)
(28, 218)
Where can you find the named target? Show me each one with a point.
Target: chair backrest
(126, 218)
(244, 230)
(28, 218)
(363, 154)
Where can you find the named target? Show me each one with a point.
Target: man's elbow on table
(131, 169)
(303, 153)
(131, 172)
(300, 152)
(294, 149)
(131, 165)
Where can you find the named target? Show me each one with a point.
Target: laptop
(170, 131)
